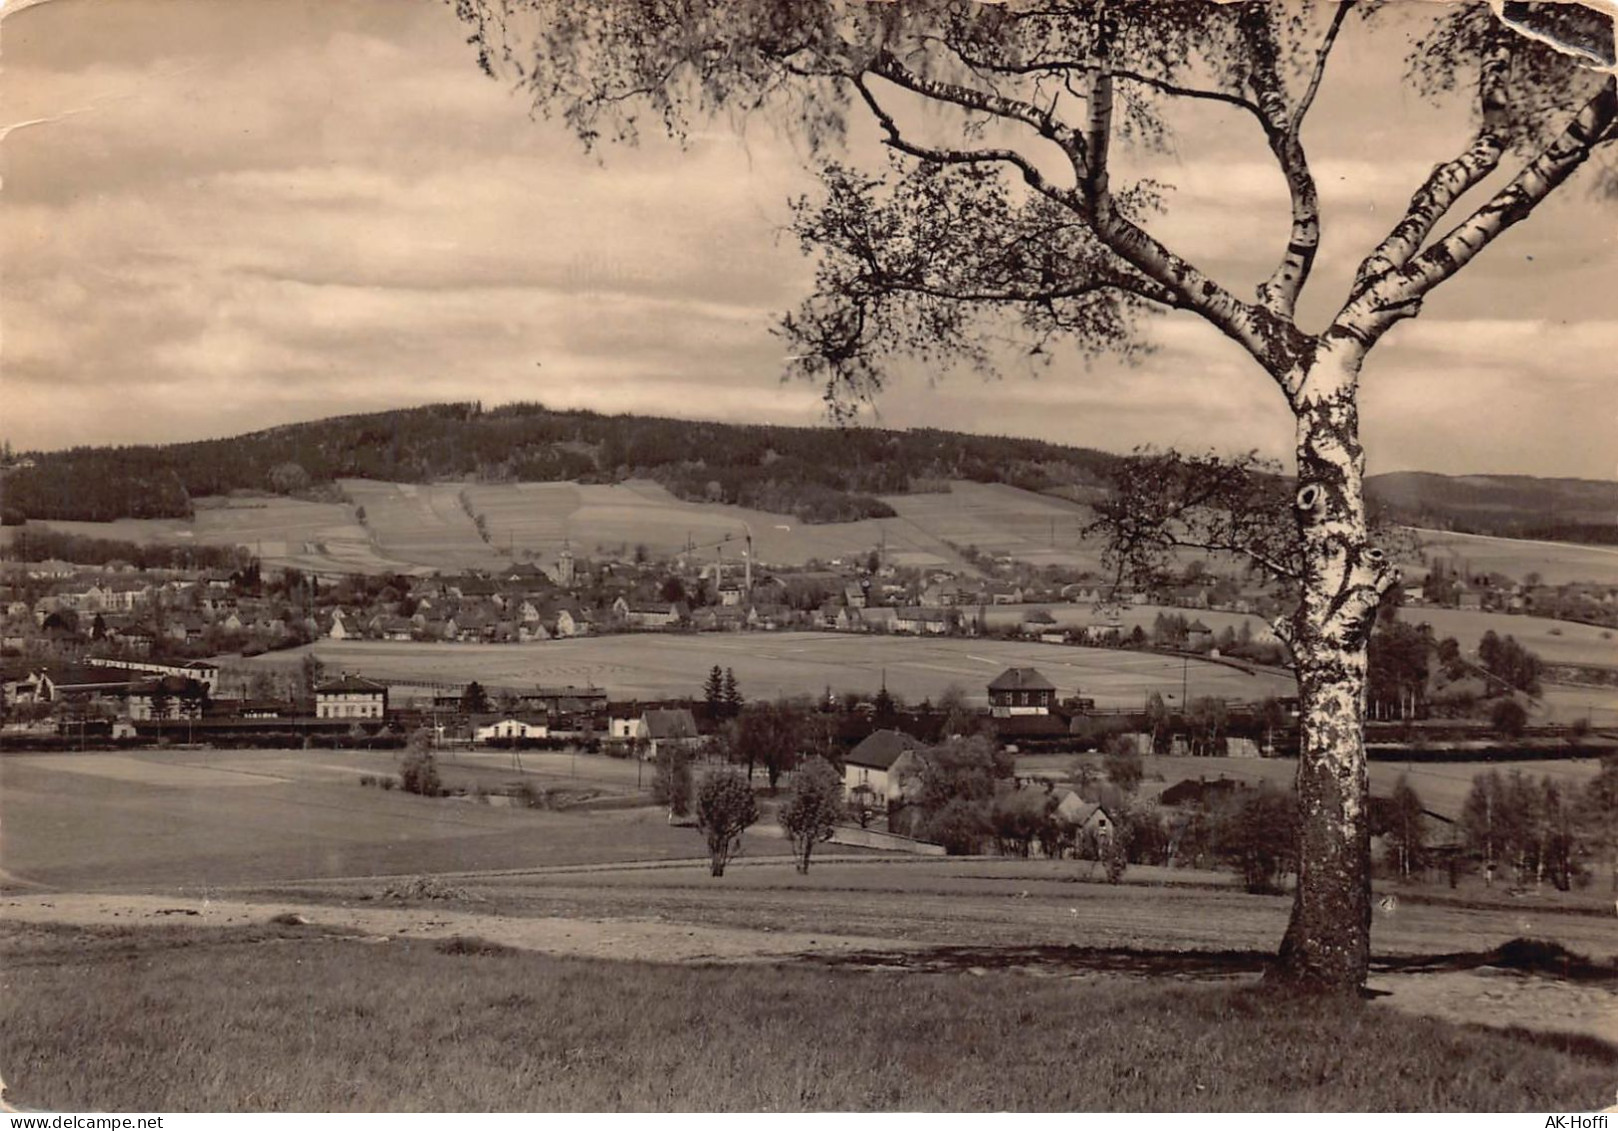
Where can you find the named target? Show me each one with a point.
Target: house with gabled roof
(923, 620)
(667, 729)
(1021, 691)
(510, 727)
(528, 632)
(648, 614)
(882, 764)
(1089, 818)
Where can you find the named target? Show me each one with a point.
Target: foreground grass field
(292, 1019)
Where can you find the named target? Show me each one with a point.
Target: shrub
(1115, 852)
(1124, 765)
(1508, 718)
(475, 946)
(959, 825)
(418, 773)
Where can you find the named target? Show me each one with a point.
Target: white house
(512, 727)
(880, 763)
(351, 697)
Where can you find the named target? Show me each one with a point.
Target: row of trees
(1540, 831)
(39, 544)
(725, 805)
(1410, 673)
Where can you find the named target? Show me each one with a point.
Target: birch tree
(1001, 211)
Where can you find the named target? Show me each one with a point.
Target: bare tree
(1003, 212)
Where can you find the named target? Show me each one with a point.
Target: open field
(271, 1018)
(655, 665)
(191, 821)
(222, 825)
(322, 537)
(1558, 642)
(1555, 562)
(418, 527)
(1000, 519)
(423, 524)
(536, 518)
(1565, 704)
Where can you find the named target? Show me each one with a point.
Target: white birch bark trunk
(1328, 940)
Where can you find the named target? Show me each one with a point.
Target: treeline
(40, 544)
(94, 485)
(1537, 832)
(1586, 533)
(1412, 674)
(815, 474)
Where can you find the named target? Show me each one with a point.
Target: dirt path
(1483, 996)
(1505, 998)
(646, 940)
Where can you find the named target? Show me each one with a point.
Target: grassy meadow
(1555, 562)
(195, 821)
(296, 1019)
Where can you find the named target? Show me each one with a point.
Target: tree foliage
(1510, 662)
(1525, 828)
(418, 768)
(1259, 837)
(812, 806)
(1596, 816)
(474, 699)
(671, 781)
(726, 808)
(1405, 835)
(1123, 763)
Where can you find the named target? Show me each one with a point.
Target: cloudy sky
(219, 215)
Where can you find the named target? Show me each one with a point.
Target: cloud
(257, 212)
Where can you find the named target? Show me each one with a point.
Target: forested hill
(1508, 506)
(816, 474)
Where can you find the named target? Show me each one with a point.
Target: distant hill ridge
(815, 474)
(1509, 506)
